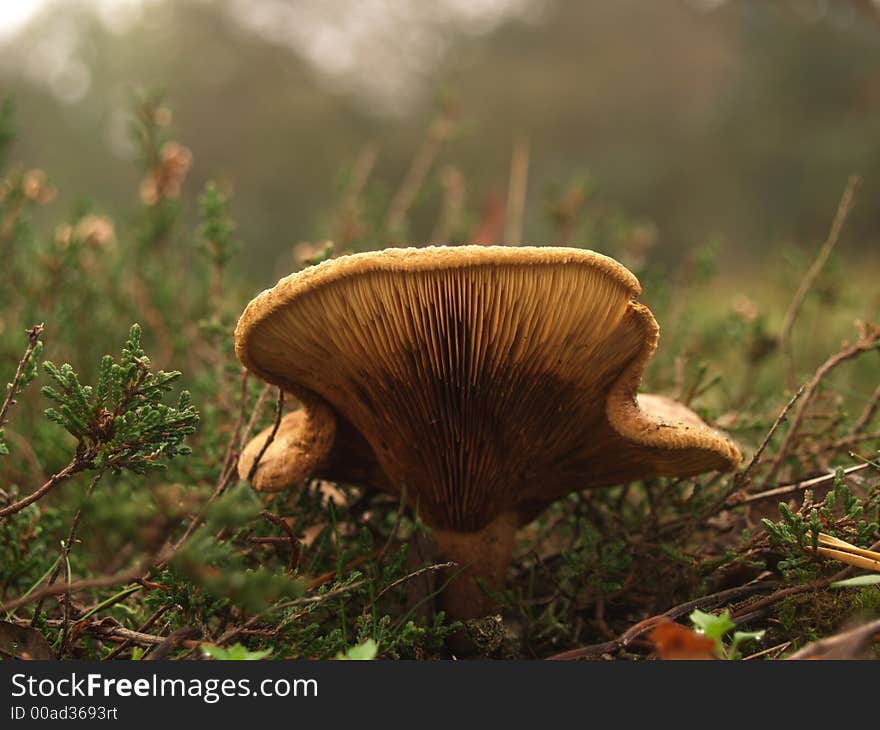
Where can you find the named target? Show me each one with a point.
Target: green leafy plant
(842, 513)
(718, 627)
(122, 422)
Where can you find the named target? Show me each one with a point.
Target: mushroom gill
(490, 381)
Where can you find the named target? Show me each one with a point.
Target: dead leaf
(23, 642)
(673, 641)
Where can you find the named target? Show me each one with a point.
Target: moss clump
(815, 615)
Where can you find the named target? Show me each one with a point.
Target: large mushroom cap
(482, 378)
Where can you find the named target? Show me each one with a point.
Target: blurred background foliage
(737, 121)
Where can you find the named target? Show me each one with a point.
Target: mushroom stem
(480, 557)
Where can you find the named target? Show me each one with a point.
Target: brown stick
(845, 645)
(155, 616)
(743, 478)
(245, 435)
(33, 335)
(293, 561)
(65, 551)
(279, 407)
(111, 633)
(80, 585)
(869, 341)
(868, 413)
(843, 209)
(516, 192)
(640, 628)
(819, 481)
(68, 471)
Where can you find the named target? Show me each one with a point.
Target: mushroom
(310, 442)
(486, 381)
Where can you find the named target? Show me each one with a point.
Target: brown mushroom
(488, 380)
(309, 442)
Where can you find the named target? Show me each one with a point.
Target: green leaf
(741, 636)
(364, 651)
(236, 652)
(858, 581)
(713, 627)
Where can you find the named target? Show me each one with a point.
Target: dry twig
(843, 210)
(279, 407)
(68, 471)
(516, 192)
(33, 334)
(291, 539)
(868, 340)
(715, 599)
(820, 481)
(80, 585)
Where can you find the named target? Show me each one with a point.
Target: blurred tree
(709, 119)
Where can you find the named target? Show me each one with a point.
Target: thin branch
(868, 413)
(813, 483)
(869, 340)
(279, 407)
(845, 443)
(155, 616)
(33, 334)
(743, 478)
(321, 597)
(291, 539)
(849, 644)
(255, 414)
(640, 628)
(182, 637)
(516, 192)
(68, 545)
(80, 585)
(414, 574)
(68, 471)
(112, 633)
(843, 209)
(347, 218)
(229, 456)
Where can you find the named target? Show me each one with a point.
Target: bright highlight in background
(117, 15)
(14, 14)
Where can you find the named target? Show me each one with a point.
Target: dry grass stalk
(843, 210)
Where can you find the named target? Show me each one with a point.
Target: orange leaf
(676, 642)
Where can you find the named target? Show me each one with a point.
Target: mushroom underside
(485, 391)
